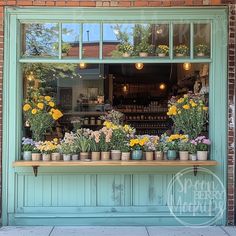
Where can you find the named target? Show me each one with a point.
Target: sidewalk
(116, 231)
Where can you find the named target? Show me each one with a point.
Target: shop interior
(141, 91)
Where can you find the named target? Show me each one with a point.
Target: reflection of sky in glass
(109, 32)
(91, 32)
(70, 32)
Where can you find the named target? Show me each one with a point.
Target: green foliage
(65, 149)
(83, 144)
(202, 48)
(118, 139)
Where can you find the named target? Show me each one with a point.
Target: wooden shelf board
(113, 163)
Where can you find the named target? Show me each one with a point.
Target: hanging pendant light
(162, 86)
(187, 66)
(139, 65)
(82, 65)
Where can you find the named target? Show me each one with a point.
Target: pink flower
(206, 141)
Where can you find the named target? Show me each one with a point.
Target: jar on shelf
(92, 121)
(86, 121)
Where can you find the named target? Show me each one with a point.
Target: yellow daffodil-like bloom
(172, 111)
(47, 98)
(181, 100)
(56, 114)
(34, 111)
(55, 140)
(108, 124)
(26, 107)
(186, 107)
(193, 104)
(205, 108)
(40, 105)
(51, 104)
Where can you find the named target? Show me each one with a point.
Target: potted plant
(181, 50)
(149, 147)
(46, 148)
(83, 144)
(27, 148)
(202, 146)
(74, 152)
(136, 146)
(105, 143)
(125, 151)
(66, 151)
(56, 156)
(183, 150)
(144, 48)
(126, 49)
(201, 50)
(192, 150)
(94, 145)
(189, 114)
(162, 50)
(36, 154)
(159, 151)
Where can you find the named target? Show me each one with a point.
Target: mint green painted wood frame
(12, 89)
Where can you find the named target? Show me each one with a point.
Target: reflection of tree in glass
(40, 39)
(122, 36)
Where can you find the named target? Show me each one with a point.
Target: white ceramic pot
(75, 157)
(66, 157)
(95, 156)
(202, 155)
(46, 157)
(36, 156)
(161, 54)
(84, 156)
(56, 156)
(193, 157)
(27, 155)
(179, 54)
(149, 156)
(126, 54)
(115, 155)
(105, 156)
(200, 54)
(183, 155)
(143, 54)
(125, 156)
(159, 155)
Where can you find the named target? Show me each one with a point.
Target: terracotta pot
(84, 156)
(75, 157)
(161, 54)
(66, 157)
(202, 155)
(193, 157)
(36, 156)
(46, 157)
(27, 155)
(115, 155)
(125, 156)
(56, 156)
(149, 156)
(126, 54)
(143, 54)
(95, 156)
(105, 156)
(159, 155)
(183, 155)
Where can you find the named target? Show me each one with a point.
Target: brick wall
(154, 3)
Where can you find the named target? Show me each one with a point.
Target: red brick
(124, 4)
(141, 3)
(87, 4)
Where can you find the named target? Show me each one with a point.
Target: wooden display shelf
(166, 163)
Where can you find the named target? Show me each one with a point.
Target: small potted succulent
(181, 50)
(202, 145)
(162, 50)
(201, 50)
(126, 49)
(27, 148)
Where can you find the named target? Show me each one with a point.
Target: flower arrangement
(125, 48)
(40, 112)
(181, 50)
(189, 114)
(202, 143)
(144, 47)
(105, 139)
(94, 141)
(162, 49)
(184, 145)
(48, 147)
(150, 144)
(173, 141)
(114, 117)
(201, 50)
(27, 144)
(138, 143)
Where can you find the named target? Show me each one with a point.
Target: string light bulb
(187, 66)
(30, 77)
(139, 65)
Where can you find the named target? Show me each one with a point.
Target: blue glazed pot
(27, 155)
(137, 155)
(171, 154)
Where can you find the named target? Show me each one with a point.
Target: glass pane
(181, 40)
(118, 40)
(202, 39)
(40, 40)
(91, 38)
(160, 37)
(70, 40)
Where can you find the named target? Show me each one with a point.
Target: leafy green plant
(118, 139)
(201, 48)
(181, 49)
(94, 146)
(65, 148)
(144, 47)
(125, 147)
(184, 146)
(162, 49)
(83, 144)
(125, 48)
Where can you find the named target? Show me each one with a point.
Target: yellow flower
(179, 112)
(40, 105)
(180, 100)
(205, 108)
(47, 98)
(186, 107)
(193, 104)
(26, 107)
(56, 114)
(51, 104)
(185, 95)
(172, 111)
(34, 111)
(108, 124)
